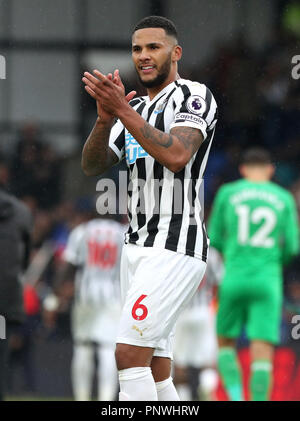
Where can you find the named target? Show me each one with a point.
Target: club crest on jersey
(161, 107)
(195, 104)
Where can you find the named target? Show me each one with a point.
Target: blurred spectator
(15, 230)
(36, 170)
(4, 173)
(22, 342)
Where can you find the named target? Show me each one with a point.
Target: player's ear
(176, 53)
(242, 170)
(271, 170)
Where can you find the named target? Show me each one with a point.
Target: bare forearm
(172, 151)
(154, 141)
(95, 156)
(66, 272)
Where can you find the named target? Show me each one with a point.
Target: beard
(161, 76)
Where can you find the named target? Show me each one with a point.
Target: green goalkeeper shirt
(255, 227)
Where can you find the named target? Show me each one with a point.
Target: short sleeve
(74, 252)
(216, 226)
(195, 107)
(117, 139)
(291, 229)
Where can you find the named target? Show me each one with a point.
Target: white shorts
(156, 285)
(95, 323)
(196, 341)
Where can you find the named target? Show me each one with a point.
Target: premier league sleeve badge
(196, 104)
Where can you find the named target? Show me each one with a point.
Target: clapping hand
(109, 93)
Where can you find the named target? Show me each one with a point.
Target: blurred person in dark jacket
(15, 229)
(34, 164)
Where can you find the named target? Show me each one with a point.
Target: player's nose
(144, 56)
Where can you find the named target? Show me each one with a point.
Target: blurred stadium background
(241, 49)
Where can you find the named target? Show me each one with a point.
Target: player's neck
(257, 178)
(152, 92)
(257, 173)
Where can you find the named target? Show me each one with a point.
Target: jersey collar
(161, 93)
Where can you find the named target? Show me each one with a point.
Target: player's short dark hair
(157, 22)
(256, 156)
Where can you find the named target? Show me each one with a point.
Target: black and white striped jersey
(95, 248)
(164, 208)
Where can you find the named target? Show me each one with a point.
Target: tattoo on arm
(159, 138)
(189, 137)
(96, 155)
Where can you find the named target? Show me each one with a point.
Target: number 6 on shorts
(137, 306)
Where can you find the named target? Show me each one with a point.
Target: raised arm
(97, 157)
(173, 150)
(216, 231)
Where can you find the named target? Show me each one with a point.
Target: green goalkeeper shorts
(254, 304)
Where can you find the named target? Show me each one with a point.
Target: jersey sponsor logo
(189, 117)
(195, 104)
(133, 150)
